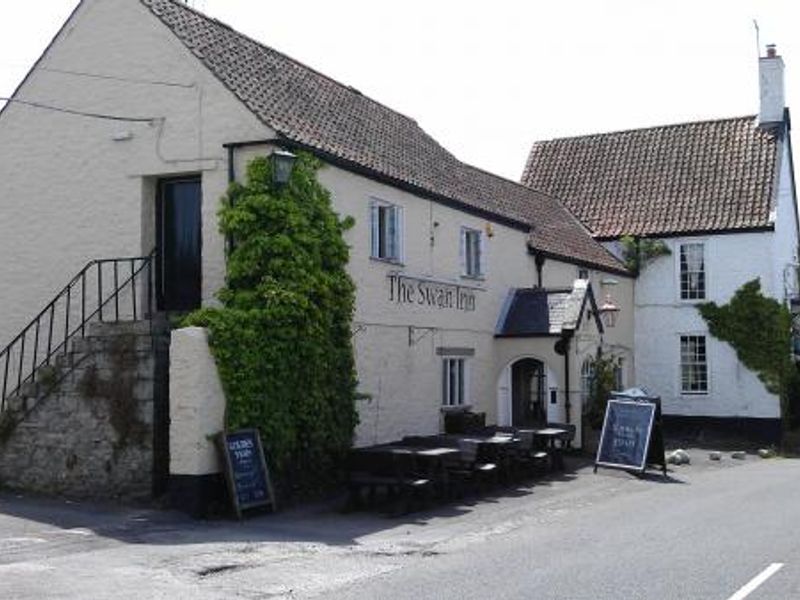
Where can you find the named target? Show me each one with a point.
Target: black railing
(109, 289)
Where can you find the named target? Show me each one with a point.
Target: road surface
(726, 531)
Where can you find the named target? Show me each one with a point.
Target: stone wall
(86, 428)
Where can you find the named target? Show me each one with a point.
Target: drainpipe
(231, 179)
(562, 347)
(567, 403)
(539, 261)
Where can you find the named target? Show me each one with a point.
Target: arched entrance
(528, 393)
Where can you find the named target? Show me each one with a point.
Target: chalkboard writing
(625, 439)
(246, 470)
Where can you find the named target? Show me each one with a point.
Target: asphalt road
(705, 534)
(703, 539)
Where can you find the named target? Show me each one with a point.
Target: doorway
(528, 385)
(179, 244)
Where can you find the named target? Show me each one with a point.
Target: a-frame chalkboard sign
(249, 483)
(632, 438)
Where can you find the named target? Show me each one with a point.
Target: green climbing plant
(637, 252)
(604, 367)
(759, 330)
(282, 338)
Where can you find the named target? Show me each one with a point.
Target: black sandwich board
(631, 438)
(249, 483)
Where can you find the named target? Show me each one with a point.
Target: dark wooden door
(179, 227)
(527, 393)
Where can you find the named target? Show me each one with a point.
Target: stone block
(678, 457)
(114, 329)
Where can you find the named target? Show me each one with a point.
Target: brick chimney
(770, 78)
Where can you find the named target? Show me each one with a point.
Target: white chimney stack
(770, 78)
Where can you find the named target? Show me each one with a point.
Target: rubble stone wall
(85, 429)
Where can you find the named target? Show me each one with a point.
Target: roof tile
(312, 109)
(703, 176)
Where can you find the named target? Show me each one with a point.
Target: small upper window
(472, 253)
(693, 271)
(386, 225)
(583, 273)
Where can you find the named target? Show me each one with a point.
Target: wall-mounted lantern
(608, 312)
(282, 165)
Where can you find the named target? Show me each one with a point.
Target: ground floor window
(694, 364)
(587, 379)
(619, 376)
(454, 381)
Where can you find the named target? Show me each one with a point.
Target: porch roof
(541, 312)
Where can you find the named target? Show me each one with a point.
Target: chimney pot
(771, 84)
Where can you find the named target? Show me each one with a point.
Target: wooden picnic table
(431, 462)
(499, 449)
(551, 435)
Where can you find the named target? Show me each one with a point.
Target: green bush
(603, 382)
(759, 329)
(282, 339)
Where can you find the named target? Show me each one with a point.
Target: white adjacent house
(721, 196)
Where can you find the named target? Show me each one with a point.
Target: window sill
(473, 277)
(456, 409)
(694, 394)
(388, 261)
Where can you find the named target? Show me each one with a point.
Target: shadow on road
(322, 522)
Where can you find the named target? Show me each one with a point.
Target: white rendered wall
(67, 183)
(404, 379)
(785, 239)
(197, 404)
(661, 317)
(68, 192)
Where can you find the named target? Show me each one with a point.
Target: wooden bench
(391, 469)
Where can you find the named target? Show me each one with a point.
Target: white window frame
(705, 337)
(455, 396)
(587, 379)
(391, 231)
(473, 268)
(619, 373)
(679, 273)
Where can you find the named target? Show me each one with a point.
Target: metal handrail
(82, 300)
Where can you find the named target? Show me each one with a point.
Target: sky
(487, 79)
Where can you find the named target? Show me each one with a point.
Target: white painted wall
(661, 317)
(69, 192)
(404, 380)
(197, 404)
(785, 239)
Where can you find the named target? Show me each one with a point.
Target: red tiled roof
(316, 111)
(692, 177)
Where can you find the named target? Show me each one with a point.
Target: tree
(282, 339)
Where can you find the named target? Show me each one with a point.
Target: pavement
(704, 532)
